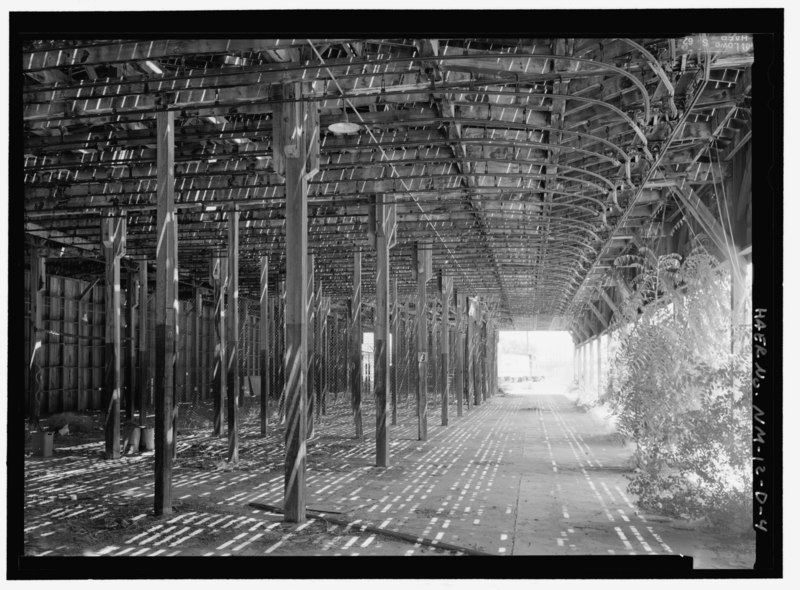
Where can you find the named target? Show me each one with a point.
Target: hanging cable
(394, 170)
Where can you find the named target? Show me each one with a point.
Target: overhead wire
(394, 170)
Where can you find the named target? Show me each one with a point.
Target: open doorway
(535, 360)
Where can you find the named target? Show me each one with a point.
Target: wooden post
(482, 354)
(433, 348)
(470, 369)
(423, 264)
(445, 288)
(35, 377)
(355, 345)
(482, 367)
(263, 356)
(280, 353)
(272, 358)
(130, 366)
(233, 336)
(382, 235)
(319, 325)
(312, 357)
(458, 372)
(395, 381)
(113, 230)
(243, 330)
(219, 277)
(166, 303)
(406, 348)
(144, 365)
(290, 141)
(198, 326)
(322, 358)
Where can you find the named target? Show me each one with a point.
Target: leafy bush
(681, 394)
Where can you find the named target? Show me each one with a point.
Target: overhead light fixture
(344, 126)
(153, 67)
(210, 207)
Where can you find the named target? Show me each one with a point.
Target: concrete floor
(525, 474)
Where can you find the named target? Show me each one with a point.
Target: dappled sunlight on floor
(524, 473)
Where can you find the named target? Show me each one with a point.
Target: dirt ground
(526, 473)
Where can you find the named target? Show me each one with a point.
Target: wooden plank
(355, 345)
(233, 336)
(296, 357)
(445, 288)
(263, 355)
(113, 230)
(165, 304)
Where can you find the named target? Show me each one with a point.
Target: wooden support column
(245, 337)
(291, 144)
(319, 322)
(263, 356)
(324, 365)
(166, 303)
(355, 345)
(473, 352)
(312, 357)
(233, 336)
(113, 229)
(132, 300)
(35, 377)
(479, 393)
(422, 267)
(445, 287)
(485, 358)
(219, 277)
(588, 363)
(273, 360)
(403, 350)
(144, 365)
(395, 380)
(433, 352)
(495, 367)
(599, 365)
(280, 351)
(198, 326)
(381, 234)
(458, 371)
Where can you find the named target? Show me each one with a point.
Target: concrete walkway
(525, 474)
